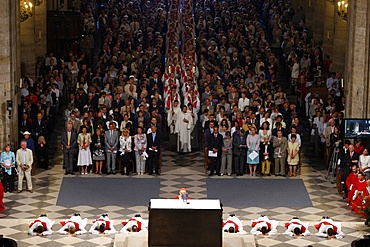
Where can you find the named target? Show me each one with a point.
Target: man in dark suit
(154, 140)
(39, 126)
(215, 145)
(239, 151)
(69, 143)
(278, 127)
(347, 160)
(208, 131)
(117, 102)
(111, 146)
(156, 80)
(24, 125)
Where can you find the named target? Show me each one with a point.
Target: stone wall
(9, 71)
(33, 38)
(357, 63)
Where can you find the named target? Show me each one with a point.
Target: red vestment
(361, 188)
(350, 183)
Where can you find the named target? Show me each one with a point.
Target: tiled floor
(177, 171)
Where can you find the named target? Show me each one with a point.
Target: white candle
(20, 83)
(169, 69)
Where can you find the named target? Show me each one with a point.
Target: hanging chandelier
(25, 10)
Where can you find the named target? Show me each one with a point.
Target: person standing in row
(253, 147)
(215, 151)
(8, 164)
(69, 143)
(84, 155)
(293, 156)
(111, 145)
(97, 147)
(125, 143)
(154, 147)
(280, 145)
(227, 154)
(42, 153)
(24, 159)
(239, 151)
(140, 147)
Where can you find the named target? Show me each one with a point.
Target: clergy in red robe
(350, 182)
(360, 193)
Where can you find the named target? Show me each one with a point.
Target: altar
(192, 223)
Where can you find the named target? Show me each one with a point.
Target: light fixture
(39, 2)
(25, 10)
(342, 9)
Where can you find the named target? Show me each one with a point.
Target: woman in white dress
(364, 163)
(84, 155)
(125, 150)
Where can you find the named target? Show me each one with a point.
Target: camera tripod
(332, 168)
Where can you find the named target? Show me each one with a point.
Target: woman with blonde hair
(42, 151)
(8, 164)
(140, 147)
(84, 154)
(125, 149)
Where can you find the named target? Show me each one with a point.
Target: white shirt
(364, 161)
(243, 103)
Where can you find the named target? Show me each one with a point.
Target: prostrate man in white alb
(328, 229)
(264, 226)
(74, 225)
(296, 228)
(233, 225)
(135, 224)
(41, 226)
(102, 225)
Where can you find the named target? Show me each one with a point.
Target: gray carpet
(267, 193)
(96, 192)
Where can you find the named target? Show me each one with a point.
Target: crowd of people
(203, 75)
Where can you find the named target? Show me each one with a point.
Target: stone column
(309, 14)
(339, 43)
(328, 30)
(318, 15)
(40, 30)
(357, 60)
(28, 44)
(9, 71)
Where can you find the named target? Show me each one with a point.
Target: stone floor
(177, 171)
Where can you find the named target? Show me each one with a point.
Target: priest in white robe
(183, 128)
(172, 116)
